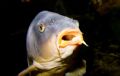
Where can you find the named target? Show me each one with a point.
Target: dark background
(99, 21)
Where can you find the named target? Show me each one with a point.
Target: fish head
(52, 36)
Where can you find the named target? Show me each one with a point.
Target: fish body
(51, 39)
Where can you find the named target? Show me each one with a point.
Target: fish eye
(41, 27)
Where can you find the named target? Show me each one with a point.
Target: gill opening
(59, 54)
(58, 49)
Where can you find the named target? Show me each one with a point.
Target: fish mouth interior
(71, 37)
(68, 37)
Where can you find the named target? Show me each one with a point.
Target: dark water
(101, 32)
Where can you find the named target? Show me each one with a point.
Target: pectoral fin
(27, 70)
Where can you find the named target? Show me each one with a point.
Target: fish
(51, 40)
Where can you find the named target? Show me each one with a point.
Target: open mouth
(71, 37)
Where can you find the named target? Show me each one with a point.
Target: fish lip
(75, 32)
(67, 49)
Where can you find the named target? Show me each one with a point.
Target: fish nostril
(68, 37)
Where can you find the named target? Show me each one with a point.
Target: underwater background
(99, 21)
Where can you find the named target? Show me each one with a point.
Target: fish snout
(73, 37)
